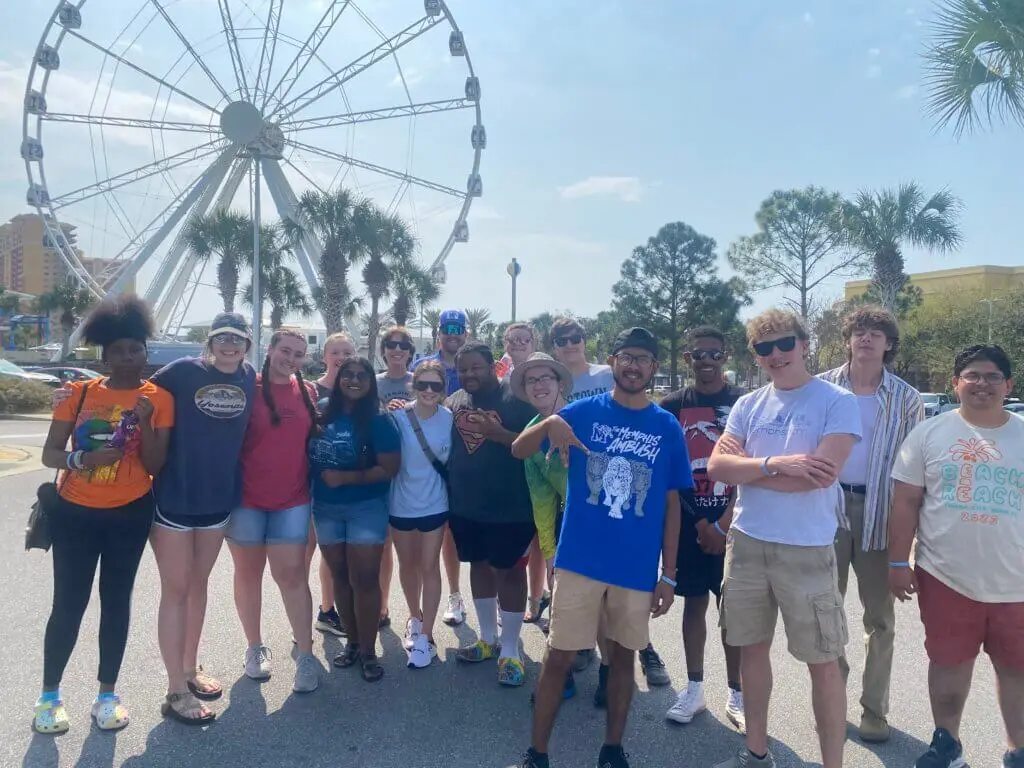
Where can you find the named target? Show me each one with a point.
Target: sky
(605, 119)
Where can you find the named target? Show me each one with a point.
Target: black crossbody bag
(435, 462)
(37, 531)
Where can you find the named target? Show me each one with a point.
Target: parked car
(936, 403)
(65, 373)
(1017, 408)
(7, 368)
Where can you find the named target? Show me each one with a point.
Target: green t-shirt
(547, 481)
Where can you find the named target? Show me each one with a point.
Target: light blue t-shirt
(781, 422)
(338, 447)
(614, 520)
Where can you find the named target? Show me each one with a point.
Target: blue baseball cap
(452, 317)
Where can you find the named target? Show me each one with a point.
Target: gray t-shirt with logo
(389, 389)
(596, 381)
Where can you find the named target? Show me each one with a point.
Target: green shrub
(19, 396)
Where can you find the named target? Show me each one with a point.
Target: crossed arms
(797, 473)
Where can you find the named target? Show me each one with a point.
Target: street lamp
(990, 302)
(513, 270)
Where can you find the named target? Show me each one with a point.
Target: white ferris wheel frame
(232, 158)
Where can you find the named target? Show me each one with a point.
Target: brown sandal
(348, 656)
(183, 707)
(204, 687)
(371, 670)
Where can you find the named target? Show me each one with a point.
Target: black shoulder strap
(74, 422)
(414, 422)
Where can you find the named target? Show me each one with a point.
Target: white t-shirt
(971, 532)
(855, 470)
(596, 381)
(417, 490)
(777, 422)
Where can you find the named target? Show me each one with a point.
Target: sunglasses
(433, 386)
(785, 344)
(350, 375)
(405, 346)
(452, 329)
(228, 338)
(564, 341)
(520, 341)
(707, 354)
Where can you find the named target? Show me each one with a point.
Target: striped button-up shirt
(900, 410)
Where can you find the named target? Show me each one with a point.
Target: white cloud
(413, 76)
(907, 92)
(808, 18)
(627, 188)
(874, 72)
(874, 53)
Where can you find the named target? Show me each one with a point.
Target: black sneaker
(944, 752)
(601, 694)
(1014, 759)
(329, 622)
(612, 756)
(653, 667)
(532, 759)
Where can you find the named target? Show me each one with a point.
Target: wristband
(764, 468)
(69, 460)
(671, 582)
(77, 459)
(899, 565)
(718, 528)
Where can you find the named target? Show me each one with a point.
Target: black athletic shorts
(502, 545)
(697, 573)
(422, 524)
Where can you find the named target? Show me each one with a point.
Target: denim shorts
(256, 527)
(361, 522)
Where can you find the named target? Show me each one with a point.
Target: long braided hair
(268, 396)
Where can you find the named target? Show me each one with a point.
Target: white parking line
(18, 437)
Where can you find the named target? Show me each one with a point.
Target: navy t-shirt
(613, 526)
(339, 447)
(203, 475)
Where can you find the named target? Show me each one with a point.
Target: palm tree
(10, 303)
(279, 285)
(389, 246)
(412, 286)
(474, 319)
(432, 317)
(331, 218)
(227, 235)
(975, 63)
(881, 223)
(71, 301)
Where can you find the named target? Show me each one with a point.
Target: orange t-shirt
(116, 484)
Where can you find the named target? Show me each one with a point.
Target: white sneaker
(257, 662)
(455, 613)
(422, 653)
(689, 703)
(413, 629)
(734, 710)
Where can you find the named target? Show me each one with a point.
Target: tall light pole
(990, 302)
(513, 270)
(257, 291)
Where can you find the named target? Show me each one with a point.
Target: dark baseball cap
(637, 337)
(230, 322)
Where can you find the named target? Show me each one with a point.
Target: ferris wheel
(142, 117)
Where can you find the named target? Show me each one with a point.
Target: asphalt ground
(449, 715)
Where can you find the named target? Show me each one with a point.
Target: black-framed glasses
(452, 329)
(626, 358)
(707, 354)
(785, 344)
(405, 346)
(975, 377)
(350, 375)
(563, 341)
(433, 386)
(544, 378)
(228, 338)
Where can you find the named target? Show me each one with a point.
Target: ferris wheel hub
(241, 122)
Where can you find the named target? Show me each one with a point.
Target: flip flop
(200, 678)
(175, 706)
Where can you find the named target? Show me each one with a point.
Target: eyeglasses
(405, 346)
(563, 341)
(707, 354)
(452, 329)
(785, 344)
(228, 338)
(973, 377)
(625, 358)
(433, 386)
(520, 341)
(544, 378)
(350, 375)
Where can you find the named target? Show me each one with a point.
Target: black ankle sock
(759, 757)
(735, 686)
(696, 677)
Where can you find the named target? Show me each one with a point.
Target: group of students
(564, 487)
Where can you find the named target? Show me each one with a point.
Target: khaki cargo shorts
(762, 578)
(580, 606)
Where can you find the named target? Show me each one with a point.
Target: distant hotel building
(984, 278)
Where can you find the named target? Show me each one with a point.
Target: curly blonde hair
(776, 321)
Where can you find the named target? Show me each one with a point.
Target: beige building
(983, 278)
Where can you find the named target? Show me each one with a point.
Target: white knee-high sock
(487, 613)
(511, 627)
